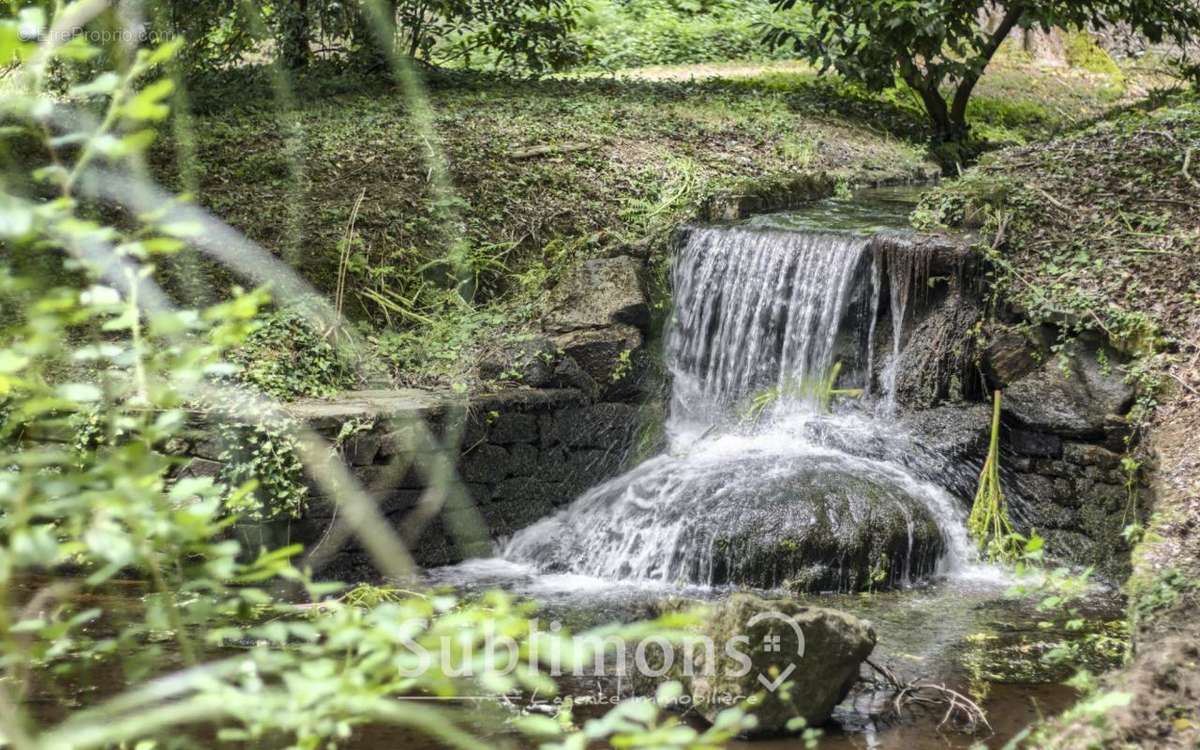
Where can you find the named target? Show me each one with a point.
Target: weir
(775, 389)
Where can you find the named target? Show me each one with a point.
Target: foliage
(654, 153)
(820, 392)
(1063, 593)
(935, 45)
(285, 357)
(989, 522)
(1094, 230)
(527, 35)
(76, 516)
(639, 722)
(636, 33)
(262, 456)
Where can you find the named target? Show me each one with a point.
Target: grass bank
(510, 182)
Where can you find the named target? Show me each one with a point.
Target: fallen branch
(959, 707)
(1187, 164)
(549, 150)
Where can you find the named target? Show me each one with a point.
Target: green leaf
(147, 104)
(538, 726)
(103, 84)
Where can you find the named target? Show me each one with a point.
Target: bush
(636, 33)
(287, 358)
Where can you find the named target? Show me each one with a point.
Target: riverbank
(1099, 231)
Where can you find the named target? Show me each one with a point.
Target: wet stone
(1035, 444)
(523, 460)
(362, 449)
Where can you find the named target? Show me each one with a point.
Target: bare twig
(920, 693)
(1187, 164)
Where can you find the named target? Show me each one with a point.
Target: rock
(821, 523)
(824, 530)
(604, 354)
(509, 428)
(484, 463)
(938, 362)
(1011, 355)
(1085, 454)
(568, 374)
(1034, 444)
(597, 426)
(201, 468)
(1077, 403)
(813, 654)
(361, 449)
(531, 362)
(601, 292)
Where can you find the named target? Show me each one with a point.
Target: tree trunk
(295, 34)
(944, 129)
(375, 32)
(962, 96)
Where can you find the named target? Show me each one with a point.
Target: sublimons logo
(556, 654)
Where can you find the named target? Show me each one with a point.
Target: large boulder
(802, 660)
(531, 362)
(1078, 400)
(606, 355)
(808, 522)
(938, 362)
(599, 293)
(1012, 354)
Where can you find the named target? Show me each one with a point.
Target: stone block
(1090, 454)
(485, 463)
(600, 292)
(524, 460)
(521, 513)
(528, 490)
(603, 425)
(1034, 444)
(361, 449)
(201, 468)
(509, 428)
(1079, 402)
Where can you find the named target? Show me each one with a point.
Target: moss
(1083, 52)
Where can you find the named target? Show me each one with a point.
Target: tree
(527, 35)
(940, 48)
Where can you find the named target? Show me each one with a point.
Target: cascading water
(758, 486)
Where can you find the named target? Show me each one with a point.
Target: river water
(764, 312)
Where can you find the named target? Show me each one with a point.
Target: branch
(959, 109)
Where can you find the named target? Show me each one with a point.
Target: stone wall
(1065, 436)
(520, 455)
(1064, 424)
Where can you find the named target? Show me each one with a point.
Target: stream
(788, 473)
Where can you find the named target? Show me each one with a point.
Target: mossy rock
(802, 661)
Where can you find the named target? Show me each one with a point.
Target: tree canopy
(515, 34)
(940, 48)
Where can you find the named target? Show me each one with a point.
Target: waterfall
(752, 489)
(757, 309)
